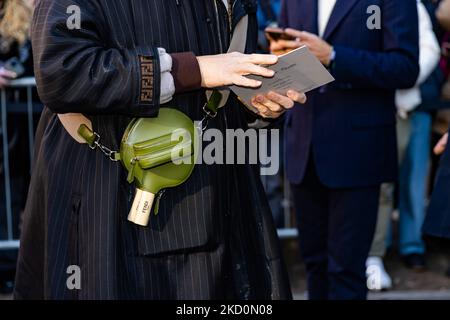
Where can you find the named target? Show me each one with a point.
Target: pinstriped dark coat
(213, 237)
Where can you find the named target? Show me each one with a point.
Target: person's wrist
(200, 61)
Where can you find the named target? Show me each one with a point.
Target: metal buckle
(96, 141)
(105, 150)
(210, 113)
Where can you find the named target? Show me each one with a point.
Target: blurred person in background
(437, 221)
(268, 12)
(341, 146)
(15, 46)
(15, 61)
(413, 136)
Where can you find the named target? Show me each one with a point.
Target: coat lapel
(341, 9)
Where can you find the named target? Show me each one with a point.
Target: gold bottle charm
(141, 209)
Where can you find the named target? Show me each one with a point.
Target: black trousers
(336, 229)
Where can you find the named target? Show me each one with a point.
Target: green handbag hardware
(158, 153)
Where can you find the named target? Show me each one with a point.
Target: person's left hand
(319, 47)
(273, 105)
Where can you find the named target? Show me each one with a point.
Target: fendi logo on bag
(146, 64)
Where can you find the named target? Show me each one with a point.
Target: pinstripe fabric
(213, 237)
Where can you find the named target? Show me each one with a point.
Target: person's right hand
(5, 77)
(442, 144)
(280, 47)
(232, 69)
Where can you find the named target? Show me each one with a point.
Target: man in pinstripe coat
(213, 237)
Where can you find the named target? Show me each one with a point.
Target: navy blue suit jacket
(350, 124)
(437, 222)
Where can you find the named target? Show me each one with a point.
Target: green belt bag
(158, 153)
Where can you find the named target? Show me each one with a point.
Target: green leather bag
(158, 153)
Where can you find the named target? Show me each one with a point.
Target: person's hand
(442, 144)
(281, 46)
(319, 47)
(273, 105)
(232, 69)
(5, 77)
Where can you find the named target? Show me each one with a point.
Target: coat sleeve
(395, 68)
(78, 72)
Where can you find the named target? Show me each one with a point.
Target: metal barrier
(29, 84)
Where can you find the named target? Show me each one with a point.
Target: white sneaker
(377, 277)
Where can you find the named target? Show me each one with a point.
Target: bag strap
(72, 122)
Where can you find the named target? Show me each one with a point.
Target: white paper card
(297, 70)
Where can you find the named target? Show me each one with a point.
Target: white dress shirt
(325, 9)
(430, 53)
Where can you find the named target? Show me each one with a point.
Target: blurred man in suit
(437, 221)
(341, 146)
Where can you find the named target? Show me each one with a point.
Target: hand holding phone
(281, 42)
(276, 34)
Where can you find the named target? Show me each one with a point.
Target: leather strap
(73, 121)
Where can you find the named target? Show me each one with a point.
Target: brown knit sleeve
(186, 72)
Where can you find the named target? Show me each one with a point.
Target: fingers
(293, 33)
(276, 46)
(304, 43)
(269, 103)
(290, 44)
(283, 46)
(297, 96)
(302, 35)
(442, 144)
(270, 30)
(272, 105)
(242, 81)
(261, 109)
(263, 59)
(257, 70)
(264, 111)
(282, 101)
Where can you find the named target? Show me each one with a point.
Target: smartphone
(278, 34)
